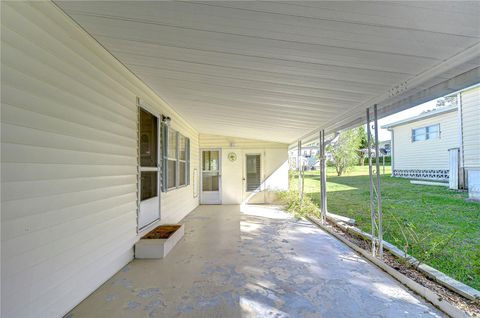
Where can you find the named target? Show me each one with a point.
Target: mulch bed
(161, 232)
(469, 306)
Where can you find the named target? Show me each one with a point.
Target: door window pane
(148, 139)
(148, 185)
(210, 181)
(210, 160)
(253, 172)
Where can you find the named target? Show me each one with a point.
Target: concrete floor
(253, 261)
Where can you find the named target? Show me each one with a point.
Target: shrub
(424, 244)
(297, 207)
(388, 160)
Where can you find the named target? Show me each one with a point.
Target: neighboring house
(421, 144)
(309, 157)
(384, 148)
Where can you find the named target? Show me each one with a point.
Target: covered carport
(74, 77)
(291, 72)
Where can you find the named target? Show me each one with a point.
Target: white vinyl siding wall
(426, 154)
(471, 127)
(69, 162)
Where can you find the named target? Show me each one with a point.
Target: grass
(445, 224)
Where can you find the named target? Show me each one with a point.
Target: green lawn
(433, 212)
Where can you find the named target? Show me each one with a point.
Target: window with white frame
(176, 159)
(426, 133)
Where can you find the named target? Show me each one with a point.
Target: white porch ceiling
(278, 70)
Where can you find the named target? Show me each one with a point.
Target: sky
(384, 134)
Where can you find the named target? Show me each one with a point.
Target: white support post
(323, 178)
(379, 191)
(372, 204)
(375, 190)
(299, 166)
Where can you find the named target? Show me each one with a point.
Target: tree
(447, 101)
(345, 150)
(363, 144)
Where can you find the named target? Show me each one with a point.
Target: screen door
(211, 177)
(149, 210)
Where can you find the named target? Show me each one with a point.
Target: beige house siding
(428, 154)
(471, 127)
(69, 162)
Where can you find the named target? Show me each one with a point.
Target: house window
(426, 133)
(176, 159)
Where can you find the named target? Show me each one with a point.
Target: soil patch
(162, 232)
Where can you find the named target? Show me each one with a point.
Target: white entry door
(149, 184)
(211, 177)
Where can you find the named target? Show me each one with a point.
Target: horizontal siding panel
(14, 172)
(76, 233)
(36, 74)
(25, 136)
(32, 189)
(15, 209)
(37, 222)
(73, 64)
(31, 28)
(30, 119)
(85, 254)
(63, 296)
(31, 154)
(29, 91)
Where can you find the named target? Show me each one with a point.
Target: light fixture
(166, 120)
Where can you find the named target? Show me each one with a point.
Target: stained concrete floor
(253, 261)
